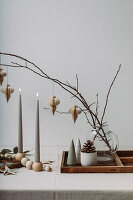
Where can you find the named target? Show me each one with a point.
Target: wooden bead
(24, 160)
(37, 166)
(29, 164)
(19, 156)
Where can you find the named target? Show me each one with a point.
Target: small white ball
(48, 168)
(29, 164)
(24, 160)
(13, 155)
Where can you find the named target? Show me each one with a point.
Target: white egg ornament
(29, 164)
(24, 160)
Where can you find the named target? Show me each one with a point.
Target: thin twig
(88, 121)
(77, 82)
(106, 103)
(60, 112)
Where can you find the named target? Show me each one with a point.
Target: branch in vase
(74, 91)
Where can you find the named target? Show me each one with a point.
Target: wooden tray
(123, 163)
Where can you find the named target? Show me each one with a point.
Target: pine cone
(88, 147)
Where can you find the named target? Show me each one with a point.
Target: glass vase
(105, 152)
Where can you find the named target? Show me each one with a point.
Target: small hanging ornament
(7, 90)
(2, 75)
(53, 102)
(74, 111)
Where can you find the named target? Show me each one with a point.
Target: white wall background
(65, 37)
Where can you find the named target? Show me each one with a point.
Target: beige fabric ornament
(7, 90)
(53, 102)
(2, 75)
(74, 111)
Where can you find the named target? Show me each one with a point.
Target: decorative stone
(48, 168)
(19, 156)
(71, 159)
(24, 160)
(37, 166)
(29, 164)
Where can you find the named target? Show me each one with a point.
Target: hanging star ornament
(2, 75)
(74, 111)
(53, 102)
(8, 171)
(7, 90)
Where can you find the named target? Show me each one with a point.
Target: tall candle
(37, 133)
(20, 127)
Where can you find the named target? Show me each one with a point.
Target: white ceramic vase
(88, 159)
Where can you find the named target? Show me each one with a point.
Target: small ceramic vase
(88, 159)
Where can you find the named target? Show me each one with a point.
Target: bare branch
(77, 82)
(74, 91)
(88, 121)
(68, 83)
(106, 103)
(97, 106)
(60, 112)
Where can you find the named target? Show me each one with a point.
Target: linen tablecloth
(30, 185)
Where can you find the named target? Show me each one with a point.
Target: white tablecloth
(30, 185)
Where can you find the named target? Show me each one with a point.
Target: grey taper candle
(20, 126)
(37, 133)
